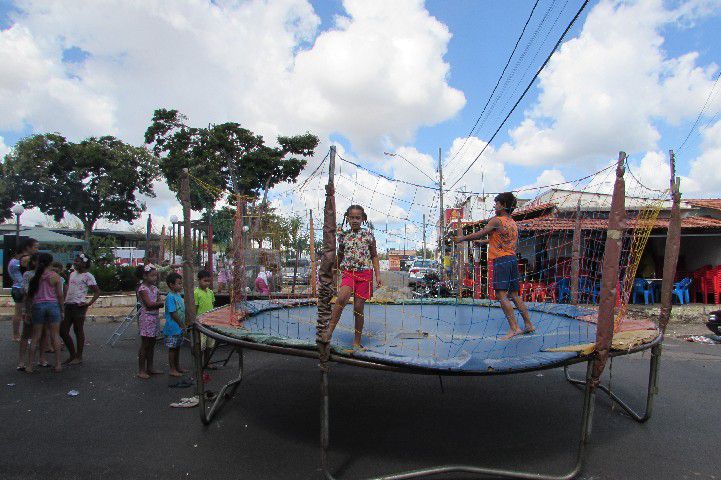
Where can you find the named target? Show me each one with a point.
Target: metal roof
(550, 222)
(712, 203)
(48, 237)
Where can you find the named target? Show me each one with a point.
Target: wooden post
(424, 236)
(148, 228)
(188, 271)
(313, 271)
(673, 245)
(195, 243)
(609, 279)
(161, 250)
(441, 219)
(576, 256)
(209, 240)
(326, 277)
(459, 248)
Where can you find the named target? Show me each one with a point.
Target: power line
(453, 171)
(530, 84)
(497, 83)
(519, 61)
(701, 112)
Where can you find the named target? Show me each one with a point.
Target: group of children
(358, 261)
(175, 322)
(47, 304)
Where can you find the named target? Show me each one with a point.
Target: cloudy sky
(406, 77)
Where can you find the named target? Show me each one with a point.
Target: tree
(6, 196)
(225, 156)
(96, 178)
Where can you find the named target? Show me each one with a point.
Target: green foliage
(226, 156)
(114, 278)
(100, 249)
(295, 238)
(6, 196)
(96, 178)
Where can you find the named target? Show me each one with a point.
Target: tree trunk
(88, 226)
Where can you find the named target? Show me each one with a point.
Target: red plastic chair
(716, 288)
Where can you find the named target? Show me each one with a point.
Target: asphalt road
(121, 427)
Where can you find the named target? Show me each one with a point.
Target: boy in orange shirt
(502, 243)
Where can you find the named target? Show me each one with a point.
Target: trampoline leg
(586, 422)
(225, 393)
(651, 390)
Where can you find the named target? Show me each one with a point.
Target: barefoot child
(148, 318)
(358, 259)
(174, 323)
(205, 302)
(76, 307)
(502, 242)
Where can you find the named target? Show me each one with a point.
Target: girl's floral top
(357, 249)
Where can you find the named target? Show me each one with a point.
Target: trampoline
(442, 337)
(454, 337)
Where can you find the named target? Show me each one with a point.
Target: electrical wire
(530, 84)
(496, 86)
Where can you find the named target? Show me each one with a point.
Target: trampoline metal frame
(651, 391)
(229, 389)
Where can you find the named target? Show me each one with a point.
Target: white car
(419, 268)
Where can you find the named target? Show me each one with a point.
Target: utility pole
(424, 236)
(442, 219)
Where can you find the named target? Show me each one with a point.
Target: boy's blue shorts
(173, 341)
(505, 273)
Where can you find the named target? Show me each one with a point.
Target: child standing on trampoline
(358, 260)
(502, 243)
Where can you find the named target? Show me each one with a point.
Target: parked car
(302, 276)
(419, 268)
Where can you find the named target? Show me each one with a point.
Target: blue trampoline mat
(462, 337)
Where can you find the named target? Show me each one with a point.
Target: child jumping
(174, 323)
(358, 259)
(205, 302)
(76, 307)
(502, 243)
(148, 318)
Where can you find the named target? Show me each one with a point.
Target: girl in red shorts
(357, 259)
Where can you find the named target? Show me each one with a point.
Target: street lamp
(17, 210)
(173, 221)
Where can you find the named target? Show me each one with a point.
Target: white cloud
(705, 172)
(605, 90)
(375, 78)
(4, 149)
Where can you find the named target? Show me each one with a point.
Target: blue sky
(471, 40)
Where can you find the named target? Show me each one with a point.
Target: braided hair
(347, 214)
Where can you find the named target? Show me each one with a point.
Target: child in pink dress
(148, 318)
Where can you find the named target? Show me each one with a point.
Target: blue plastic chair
(564, 290)
(586, 288)
(641, 287)
(595, 292)
(680, 289)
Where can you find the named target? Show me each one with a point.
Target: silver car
(419, 268)
(302, 276)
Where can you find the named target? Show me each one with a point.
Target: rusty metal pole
(576, 256)
(673, 245)
(188, 273)
(609, 279)
(313, 270)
